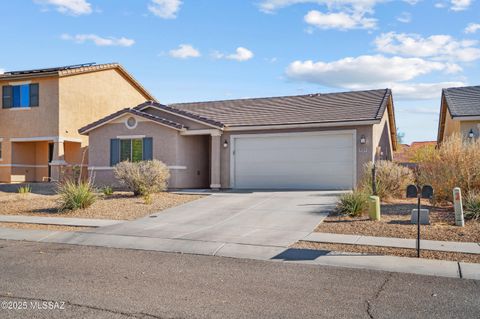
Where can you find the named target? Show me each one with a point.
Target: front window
(131, 150)
(18, 96)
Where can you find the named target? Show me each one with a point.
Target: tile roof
(117, 114)
(185, 113)
(463, 101)
(301, 109)
(73, 70)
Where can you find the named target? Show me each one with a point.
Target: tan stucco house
(42, 110)
(459, 113)
(316, 141)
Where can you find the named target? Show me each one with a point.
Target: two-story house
(459, 113)
(42, 110)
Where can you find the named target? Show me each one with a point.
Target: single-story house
(315, 141)
(459, 113)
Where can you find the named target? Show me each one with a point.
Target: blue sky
(195, 50)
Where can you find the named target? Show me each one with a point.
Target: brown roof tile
(301, 109)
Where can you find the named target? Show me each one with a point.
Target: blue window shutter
(7, 92)
(34, 96)
(147, 149)
(114, 151)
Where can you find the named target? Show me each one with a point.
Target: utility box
(424, 216)
(374, 207)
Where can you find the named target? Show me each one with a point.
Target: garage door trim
(318, 133)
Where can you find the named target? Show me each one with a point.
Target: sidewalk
(63, 221)
(450, 246)
(278, 254)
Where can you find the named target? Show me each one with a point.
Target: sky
(199, 50)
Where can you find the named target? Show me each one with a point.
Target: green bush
(145, 177)
(75, 196)
(107, 190)
(472, 205)
(25, 189)
(391, 179)
(353, 204)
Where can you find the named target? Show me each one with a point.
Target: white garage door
(294, 161)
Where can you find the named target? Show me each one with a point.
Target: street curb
(418, 266)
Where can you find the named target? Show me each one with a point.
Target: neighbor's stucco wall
(87, 97)
(186, 155)
(381, 139)
(363, 152)
(466, 126)
(34, 121)
(451, 126)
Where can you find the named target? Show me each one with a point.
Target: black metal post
(418, 227)
(374, 180)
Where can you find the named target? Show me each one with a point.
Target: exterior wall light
(471, 134)
(225, 144)
(363, 139)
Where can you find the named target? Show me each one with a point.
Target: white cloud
(184, 51)
(339, 20)
(472, 28)
(405, 17)
(241, 54)
(2, 71)
(166, 9)
(460, 5)
(270, 6)
(99, 41)
(439, 47)
(73, 7)
(421, 91)
(364, 71)
(412, 2)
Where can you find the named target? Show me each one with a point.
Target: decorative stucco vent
(131, 122)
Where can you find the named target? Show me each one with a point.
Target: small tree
(143, 178)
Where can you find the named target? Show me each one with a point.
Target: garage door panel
(302, 161)
(309, 155)
(295, 142)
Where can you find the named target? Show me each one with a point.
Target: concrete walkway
(450, 246)
(279, 254)
(63, 221)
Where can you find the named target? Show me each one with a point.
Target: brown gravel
(402, 252)
(43, 227)
(119, 206)
(395, 222)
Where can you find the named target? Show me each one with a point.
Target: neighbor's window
(16, 96)
(131, 150)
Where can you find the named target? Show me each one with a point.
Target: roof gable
(109, 118)
(463, 101)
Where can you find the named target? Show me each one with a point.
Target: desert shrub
(25, 189)
(472, 205)
(145, 177)
(75, 195)
(455, 164)
(352, 204)
(107, 190)
(391, 179)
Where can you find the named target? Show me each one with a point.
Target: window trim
(1, 149)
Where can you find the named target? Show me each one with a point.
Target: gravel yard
(395, 222)
(43, 227)
(119, 206)
(402, 252)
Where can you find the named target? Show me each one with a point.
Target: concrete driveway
(267, 218)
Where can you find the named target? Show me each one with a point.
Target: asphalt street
(69, 281)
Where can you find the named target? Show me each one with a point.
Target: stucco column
(58, 160)
(215, 161)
